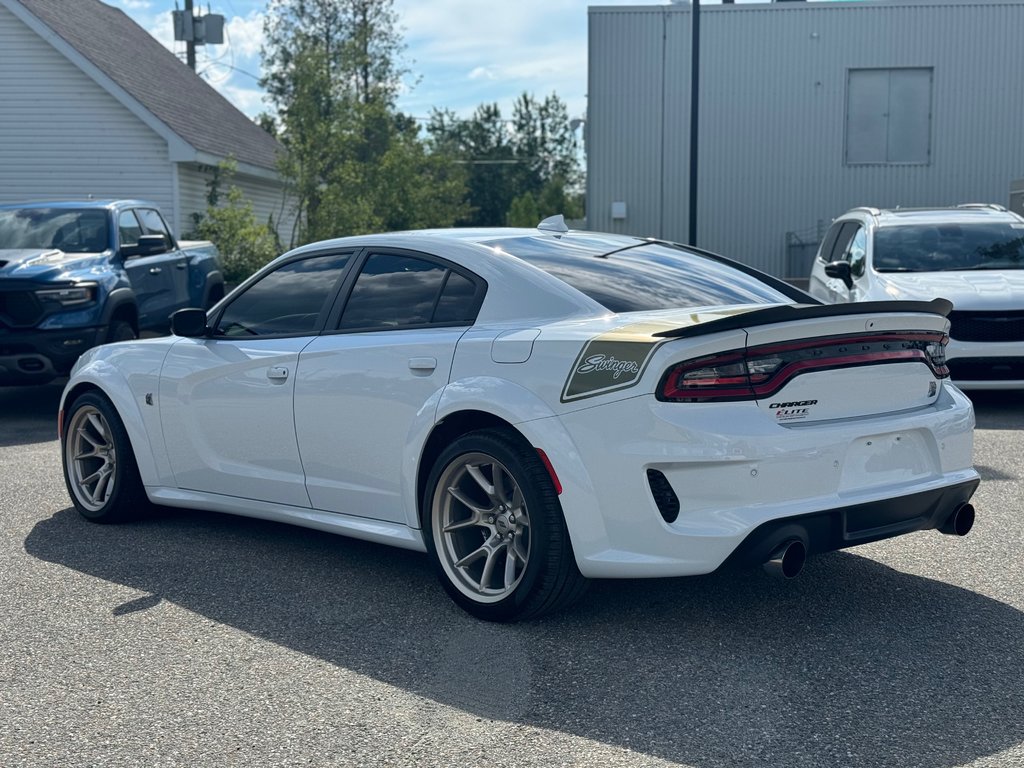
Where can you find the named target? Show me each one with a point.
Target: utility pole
(694, 114)
(190, 42)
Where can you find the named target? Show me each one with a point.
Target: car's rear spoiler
(790, 312)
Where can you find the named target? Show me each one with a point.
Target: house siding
(267, 198)
(773, 100)
(63, 137)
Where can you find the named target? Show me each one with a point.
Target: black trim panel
(791, 312)
(844, 527)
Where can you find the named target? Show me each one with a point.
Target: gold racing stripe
(617, 359)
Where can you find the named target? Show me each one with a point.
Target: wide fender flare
(109, 380)
(539, 425)
(116, 299)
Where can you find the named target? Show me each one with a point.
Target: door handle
(277, 373)
(425, 364)
(180, 265)
(155, 270)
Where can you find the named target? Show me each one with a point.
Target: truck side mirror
(148, 245)
(190, 323)
(840, 270)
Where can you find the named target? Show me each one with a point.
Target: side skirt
(381, 532)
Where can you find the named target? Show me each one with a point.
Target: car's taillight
(758, 372)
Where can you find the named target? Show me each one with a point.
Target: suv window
(397, 291)
(948, 247)
(287, 301)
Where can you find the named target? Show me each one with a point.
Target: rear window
(646, 277)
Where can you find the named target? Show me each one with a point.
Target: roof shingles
(155, 78)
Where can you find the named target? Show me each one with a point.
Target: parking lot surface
(205, 640)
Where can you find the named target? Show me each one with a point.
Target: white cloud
(245, 34)
(482, 73)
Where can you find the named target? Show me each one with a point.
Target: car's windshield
(949, 247)
(70, 230)
(645, 277)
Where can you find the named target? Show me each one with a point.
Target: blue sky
(460, 52)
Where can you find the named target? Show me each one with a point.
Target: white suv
(972, 255)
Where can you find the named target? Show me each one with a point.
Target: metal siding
(64, 137)
(773, 111)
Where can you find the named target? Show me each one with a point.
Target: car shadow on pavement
(854, 663)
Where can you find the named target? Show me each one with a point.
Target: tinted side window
(286, 301)
(153, 224)
(825, 252)
(393, 291)
(846, 234)
(458, 301)
(128, 228)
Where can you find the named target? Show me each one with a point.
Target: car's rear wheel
(495, 529)
(99, 465)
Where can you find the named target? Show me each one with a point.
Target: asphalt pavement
(196, 639)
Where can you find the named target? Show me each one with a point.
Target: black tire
(216, 294)
(461, 518)
(120, 330)
(94, 443)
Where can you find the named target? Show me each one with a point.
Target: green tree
(354, 163)
(230, 223)
(532, 156)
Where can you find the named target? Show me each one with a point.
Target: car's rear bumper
(733, 471)
(35, 357)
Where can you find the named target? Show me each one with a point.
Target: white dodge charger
(533, 408)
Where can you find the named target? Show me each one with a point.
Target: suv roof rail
(989, 206)
(866, 209)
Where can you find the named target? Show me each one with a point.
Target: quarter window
(287, 301)
(395, 291)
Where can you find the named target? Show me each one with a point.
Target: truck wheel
(99, 465)
(120, 330)
(495, 531)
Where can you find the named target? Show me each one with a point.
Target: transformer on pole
(197, 30)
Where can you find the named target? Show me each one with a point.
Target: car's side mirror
(148, 245)
(190, 323)
(840, 270)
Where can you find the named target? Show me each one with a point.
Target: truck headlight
(71, 296)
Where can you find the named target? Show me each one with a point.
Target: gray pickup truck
(74, 275)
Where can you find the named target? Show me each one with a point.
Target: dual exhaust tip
(788, 559)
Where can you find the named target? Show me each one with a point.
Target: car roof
(75, 204)
(961, 214)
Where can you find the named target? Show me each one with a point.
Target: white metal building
(806, 109)
(91, 104)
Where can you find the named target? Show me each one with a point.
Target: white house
(91, 104)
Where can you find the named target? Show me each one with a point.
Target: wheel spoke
(94, 453)
(83, 433)
(472, 557)
(469, 522)
(97, 424)
(102, 487)
(94, 477)
(488, 574)
(510, 565)
(499, 483)
(462, 498)
(483, 482)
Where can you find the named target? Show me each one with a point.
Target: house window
(889, 116)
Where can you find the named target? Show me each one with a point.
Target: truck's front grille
(987, 326)
(987, 369)
(20, 309)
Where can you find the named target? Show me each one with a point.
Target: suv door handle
(277, 373)
(180, 265)
(155, 270)
(425, 364)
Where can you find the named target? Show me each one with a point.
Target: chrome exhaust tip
(788, 560)
(960, 522)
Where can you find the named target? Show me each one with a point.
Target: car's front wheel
(495, 529)
(99, 465)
